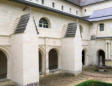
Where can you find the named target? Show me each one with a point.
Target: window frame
(42, 1)
(101, 27)
(43, 23)
(53, 4)
(62, 7)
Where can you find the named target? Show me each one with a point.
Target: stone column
(59, 60)
(43, 64)
(108, 47)
(109, 50)
(106, 51)
(47, 61)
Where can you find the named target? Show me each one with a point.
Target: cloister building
(42, 37)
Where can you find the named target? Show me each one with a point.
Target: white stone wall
(72, 58)
(58, 4)
(24, 48)
(95, 30)
(21, 46)
(95, 45)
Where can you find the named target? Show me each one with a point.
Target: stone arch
(53, 59)
(3, 64)
(101, 57)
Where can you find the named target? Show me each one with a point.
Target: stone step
(7, 82)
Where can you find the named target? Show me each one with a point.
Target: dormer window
(42, 1)
(101, 26)
(62, 7)
(76, 12)
(53, 4)
(85, 10)
(70, 10)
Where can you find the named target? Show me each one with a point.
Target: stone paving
(70, 80)
(93, 76)
(7, 82)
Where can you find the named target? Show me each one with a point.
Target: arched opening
(43, 22)
(53, 59)
(3, 65)
(83, 57)
(101, 58)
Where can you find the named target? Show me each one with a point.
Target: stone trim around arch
(101, 57)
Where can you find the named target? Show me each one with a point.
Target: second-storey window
(76, 12)
(62, 7)
(43, 23)
(70, 10)
(101, 26)
(42, 1)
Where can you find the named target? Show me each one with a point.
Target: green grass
(94, 83)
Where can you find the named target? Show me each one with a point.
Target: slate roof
(21, 27)
(71, 30)
(88, 2)
(84, 2)
(76, 2)
(101, 14)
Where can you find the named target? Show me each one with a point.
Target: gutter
(104, 37)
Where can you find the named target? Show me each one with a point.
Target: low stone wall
(108, 63)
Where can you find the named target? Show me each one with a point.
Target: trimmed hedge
(94, 83)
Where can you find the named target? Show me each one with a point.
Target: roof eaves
(48, 8)
(73, 3)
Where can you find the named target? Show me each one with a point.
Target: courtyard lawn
(94, 83)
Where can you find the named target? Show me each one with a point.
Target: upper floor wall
(71, 8)
(60, 5)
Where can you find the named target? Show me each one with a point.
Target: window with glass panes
(43, 23)
(101, 27)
